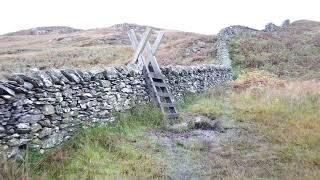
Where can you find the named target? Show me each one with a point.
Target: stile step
(160, 84)
(167, 104)
(172, 115)
(161, 94)
(158, 76)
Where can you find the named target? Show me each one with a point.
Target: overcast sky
(202, 16)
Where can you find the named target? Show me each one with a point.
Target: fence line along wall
(46, 108)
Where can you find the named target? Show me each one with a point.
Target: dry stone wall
(195, 79)
(224, 37)
(226, 34)
(46, 108)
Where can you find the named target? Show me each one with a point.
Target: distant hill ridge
(45, 31)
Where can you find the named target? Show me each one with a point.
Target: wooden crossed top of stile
(154, 77)
(144, 47)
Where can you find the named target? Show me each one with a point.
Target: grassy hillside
(290, 53)
(285, 114)
(23, 50)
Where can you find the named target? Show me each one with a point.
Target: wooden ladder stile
(155, 80)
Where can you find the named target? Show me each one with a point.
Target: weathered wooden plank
(151, 58)
(160, 84)
(157, 76)
(134, 42)
(141, 45)
(167, 105)
(157, 42)
(162, 94)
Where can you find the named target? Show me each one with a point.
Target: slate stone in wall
(48, 109)
(57, 77)
(16, 78)
(2, 130)
(23, 128)
(35, 82)
(30, 118)
(45, 78)
(111, 73)
(72, 76)
(4, 90)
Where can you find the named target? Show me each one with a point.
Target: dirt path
(222, 150)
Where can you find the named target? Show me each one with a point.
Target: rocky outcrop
(46, 108)
(228, 33)
(270, 27)
(285, 23)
